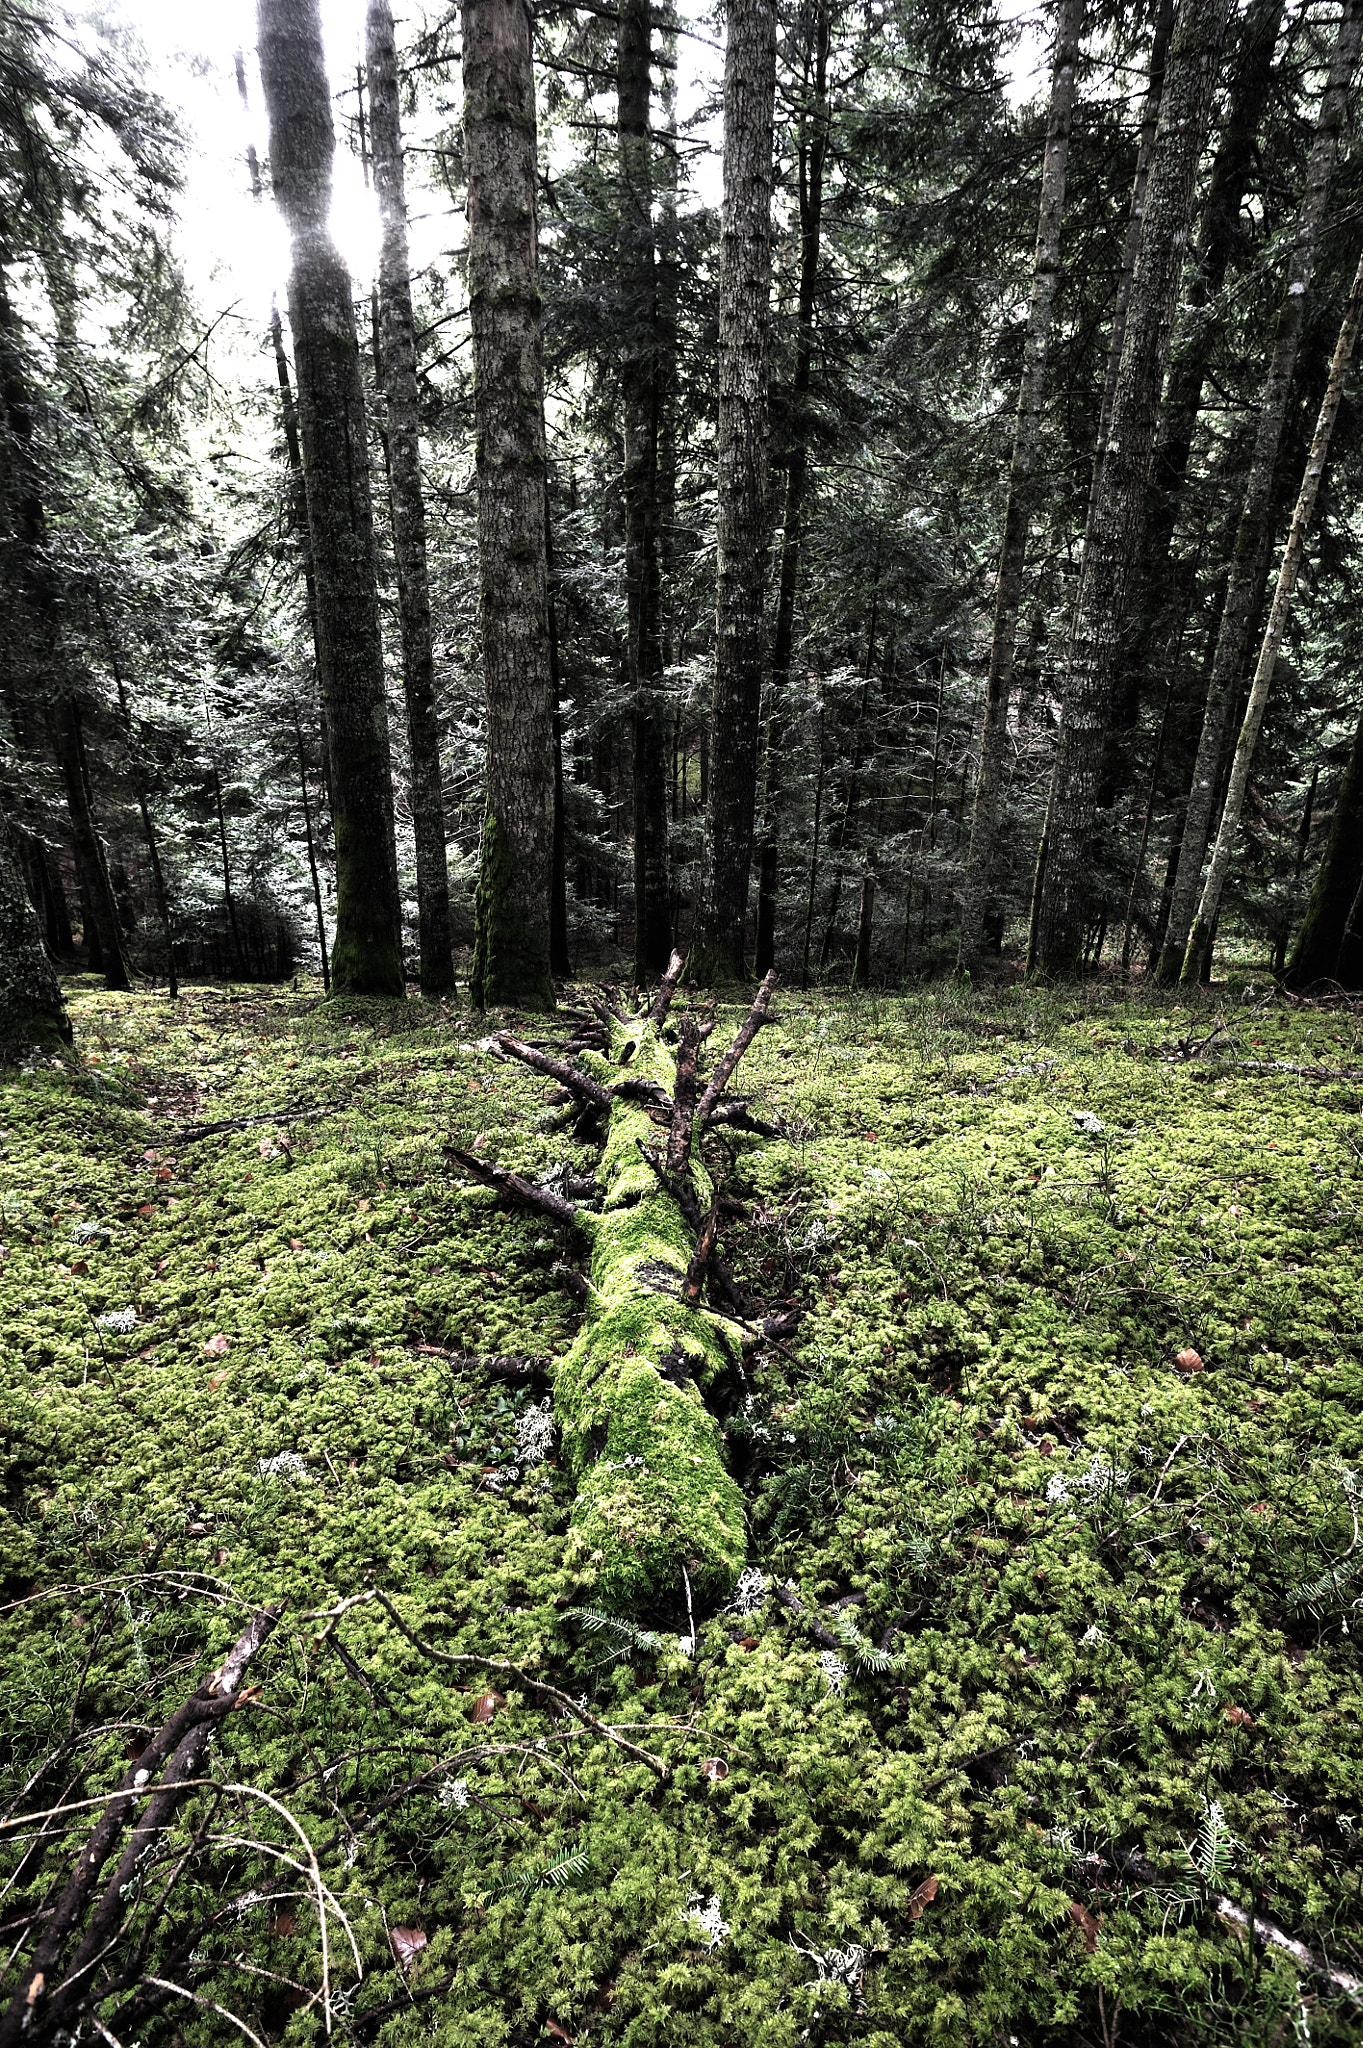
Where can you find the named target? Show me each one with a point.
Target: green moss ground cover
(1124, 1588)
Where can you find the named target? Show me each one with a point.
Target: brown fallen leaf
(559, 2033)
(217, 1345)
(1239, 1717)
(363, 1203)
(215, 1380)
(1085, 1922)
(924, 1896)
(408, 1943)
(296, 1244)
(1189, 1361)
(486, 1705)
(282, 1926)
(715, 1768)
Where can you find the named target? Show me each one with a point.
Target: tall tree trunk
(94, 869)
(979, 871)
(1198, 953)
(744, 324)
(32, 1008)
(159, 889)
(1163, 591)
(39, 642)
(1117, 518)
(312, 852)
(515, 877)
(367, 953)
(1255, 533)
(559, 961)
(812, 156)
(643, 583)
(1131, 242)
(397, 357)
(1323, 950)
(298, 506)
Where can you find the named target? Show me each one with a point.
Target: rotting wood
(655, 1499)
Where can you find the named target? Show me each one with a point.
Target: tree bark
(1131, 243)
(32, 1008)
(159, 890)
(1163, 590)
(512, 910)
(397, 358)
(812, 156)
(1326, 948)
(560, 963)
(1254, 535)
(69, 736)
(39, 641)
(1198, 953)
(367, 950)
(312, 853)
(640, 418)
(979, 871)
(744, 324)
(1117, 519)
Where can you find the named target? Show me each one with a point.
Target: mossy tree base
(655, 1499)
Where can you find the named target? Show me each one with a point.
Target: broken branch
(748, 1030)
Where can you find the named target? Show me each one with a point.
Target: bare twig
(178, 1746)
(558, 1070)
(685, 1092)
(535, 1685)
(667, 988)
(700, 1257)
(526, 1191)
(748, 1030)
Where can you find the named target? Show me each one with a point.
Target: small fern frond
(595, 1622)
(556, 1876)
(1328, 1587)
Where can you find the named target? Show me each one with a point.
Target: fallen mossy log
(656, 1504)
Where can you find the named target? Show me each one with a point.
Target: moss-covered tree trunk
(398, 366)
(367, 949)
(32, 1009)
(515, 875)
(655, 1499)
(741, 525)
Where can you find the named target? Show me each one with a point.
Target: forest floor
(1072, 1428)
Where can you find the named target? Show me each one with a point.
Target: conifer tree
(32, 1008)
(399, 381)
(367, 951)
(744, 325)
(1116, 519)
(1254, 535)
(1208, 909)
(511, 942)
(1018, 512)
(640, 424)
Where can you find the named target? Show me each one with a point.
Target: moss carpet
(1047, 1649)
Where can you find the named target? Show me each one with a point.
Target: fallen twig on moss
(50, 1994)
(506, 1668)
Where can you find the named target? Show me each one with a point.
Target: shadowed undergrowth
(1045, 1645)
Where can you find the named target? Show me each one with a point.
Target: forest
(681, 1023)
